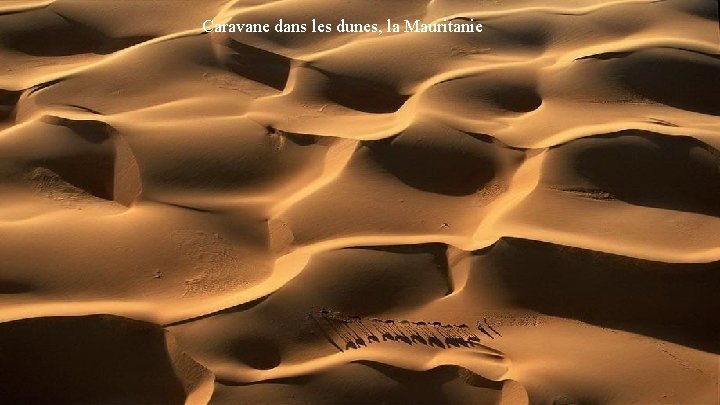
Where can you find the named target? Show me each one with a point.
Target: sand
(524, 215)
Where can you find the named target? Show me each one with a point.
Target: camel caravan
(355, 332)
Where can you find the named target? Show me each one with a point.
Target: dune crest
(526, 214)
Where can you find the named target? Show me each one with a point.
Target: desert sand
(525, 215)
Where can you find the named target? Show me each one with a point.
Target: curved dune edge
(484, 364)
(87, 346)
(182, 205)
(291, 266)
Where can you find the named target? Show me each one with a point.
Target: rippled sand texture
(176, 205)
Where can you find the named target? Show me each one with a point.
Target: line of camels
(355, 332)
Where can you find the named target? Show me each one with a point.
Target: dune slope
(525, 215)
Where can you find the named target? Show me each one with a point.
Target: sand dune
(526, 215)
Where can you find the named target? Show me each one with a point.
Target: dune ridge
(190, 199)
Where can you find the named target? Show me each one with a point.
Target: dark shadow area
(68, 37)
(89, 359)
(707, 9)
(437, 167)
(43, 85)
(437, 250)
(295, 380)
(259, 65)
(520, 99)
(517, 34)
(301, 139)
(8, 101)
(93, 131)
(644, 168)
(257, 353)
(606, 56)
(361, 95)
(674, 77)
(673, 302)
(14, 287)
(101, 167)
(90, 172)
(364, 282)
(231, 310)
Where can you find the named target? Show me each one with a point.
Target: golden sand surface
(524, 215)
